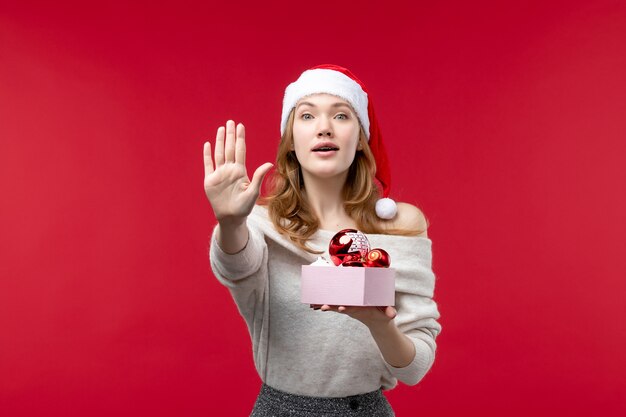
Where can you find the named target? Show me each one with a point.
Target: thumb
(390, 312)
(259, 174)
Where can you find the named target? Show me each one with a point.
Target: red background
(506, 125)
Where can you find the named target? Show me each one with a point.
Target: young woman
(331, 170)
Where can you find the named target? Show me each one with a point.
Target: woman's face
(325, 135)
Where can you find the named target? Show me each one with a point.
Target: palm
(366, 315)
(226, 184)
(228, 190)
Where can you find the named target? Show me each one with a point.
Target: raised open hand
(226, 184)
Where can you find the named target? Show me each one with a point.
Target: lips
(325, 147)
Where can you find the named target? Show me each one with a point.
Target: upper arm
(411, 218)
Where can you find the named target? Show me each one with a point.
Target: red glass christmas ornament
(377, 258)
(348, 245)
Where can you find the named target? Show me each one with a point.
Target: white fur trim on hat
(328, 81)
(386, 208)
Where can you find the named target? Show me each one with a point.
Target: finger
(327, 307)
(208, 162)
(257, 178)
(240, 145)
(219, 147)
(229, 147)
(391, 312)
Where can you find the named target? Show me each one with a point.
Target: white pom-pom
(386, 208)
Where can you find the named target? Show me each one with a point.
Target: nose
(324, 128)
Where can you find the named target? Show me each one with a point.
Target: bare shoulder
(410, 217)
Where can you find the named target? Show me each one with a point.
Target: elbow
(422, 363)
(415, 378)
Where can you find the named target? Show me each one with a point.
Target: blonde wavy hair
(290, 211)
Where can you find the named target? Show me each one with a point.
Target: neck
(324, 195)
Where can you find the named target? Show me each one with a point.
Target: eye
(306, 116)
(342, 116)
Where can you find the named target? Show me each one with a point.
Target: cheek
(354, 138)
(299, 148)
(298, 134)
(300, 127)
(352, 131)
(301, 136)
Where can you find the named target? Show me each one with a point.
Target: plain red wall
(506, 123)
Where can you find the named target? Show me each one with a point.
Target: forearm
(232, 235)
(397, 349)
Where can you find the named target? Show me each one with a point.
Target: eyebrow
(333, 105)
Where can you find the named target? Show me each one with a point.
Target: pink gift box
(347, 286)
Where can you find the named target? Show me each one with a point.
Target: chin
(326, 174)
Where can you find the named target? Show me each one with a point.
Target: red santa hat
(340, 82)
